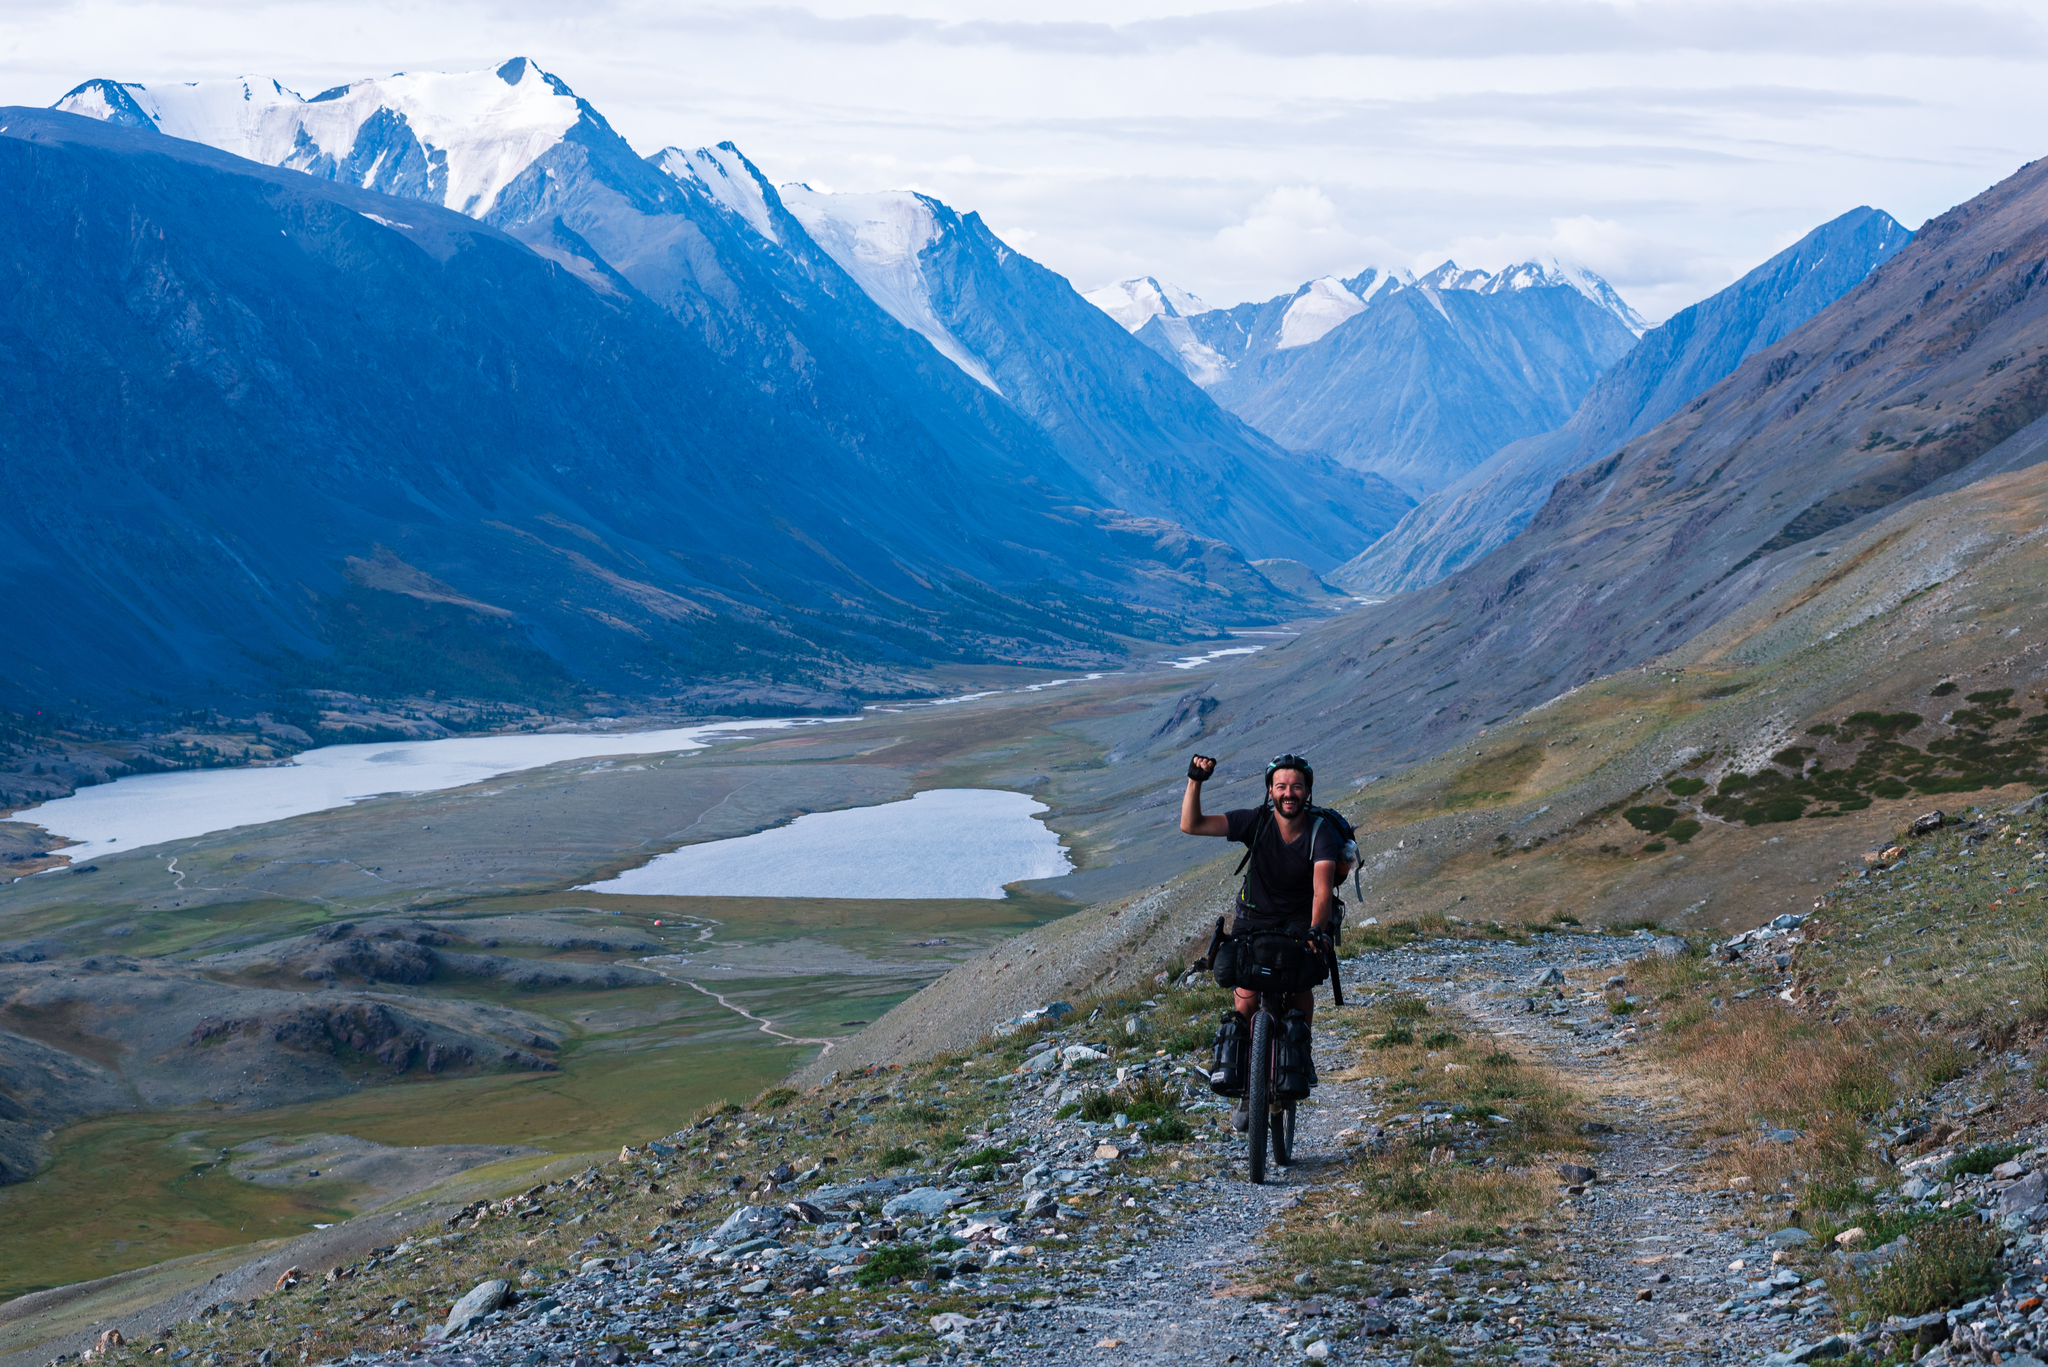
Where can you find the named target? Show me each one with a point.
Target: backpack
(1319, 815)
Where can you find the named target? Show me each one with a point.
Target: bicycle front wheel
(1283, 1134)
(1258, 1092)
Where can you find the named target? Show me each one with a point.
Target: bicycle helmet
(1291, 761)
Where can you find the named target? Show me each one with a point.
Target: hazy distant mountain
(1672, 365)
(1413, 378)
(855, 293)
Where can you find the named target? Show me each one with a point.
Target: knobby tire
(1283, 1134)
(1258, 1094)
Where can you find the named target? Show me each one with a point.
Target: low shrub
(1171, 1130)
(891, 1260)
(1396, 1037)
(1948, 1263)
(1193, 1038)
(1980, 1160)
(1650, 819)
(897, 1156)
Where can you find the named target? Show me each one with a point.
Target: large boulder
(482, 1299)
(842, 1195)
(930, 1202)
(750, 1222)
(2024, 1194)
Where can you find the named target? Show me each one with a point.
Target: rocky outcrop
(409, 953)
(84, 1036)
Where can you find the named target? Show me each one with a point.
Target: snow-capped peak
(727, 177)
(1450, 276)
(454, 139)
(1374, 280)
(1550, 271)
(1537, 273)
(1133, 303)
(878, 239)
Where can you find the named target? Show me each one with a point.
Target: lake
(943, 842)
(149, 809)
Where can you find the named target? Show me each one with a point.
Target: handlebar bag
(1280, 963)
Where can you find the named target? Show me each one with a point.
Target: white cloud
(1294, 232)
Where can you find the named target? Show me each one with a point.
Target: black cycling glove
(1197, 775)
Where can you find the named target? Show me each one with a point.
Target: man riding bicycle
(1296, 864)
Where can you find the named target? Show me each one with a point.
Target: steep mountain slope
(1150, 440)
(292, 431)
(1941, 597)
(1416, 379)
(565, 183)
(848, 298)
(1903, 386)
(1674, 363)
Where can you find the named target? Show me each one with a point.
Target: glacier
(879, 239)
(453, 139)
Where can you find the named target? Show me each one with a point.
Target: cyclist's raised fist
(1202, 768)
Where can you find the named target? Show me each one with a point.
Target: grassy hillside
(1710, 789)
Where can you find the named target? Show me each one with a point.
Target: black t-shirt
(1280, 882)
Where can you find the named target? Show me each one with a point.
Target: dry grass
(1947, 1263)
(1404, 1203)
(1465, 1180)
(1761, 1065)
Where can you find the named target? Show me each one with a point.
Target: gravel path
(1649, 1214)
(1088, 1250)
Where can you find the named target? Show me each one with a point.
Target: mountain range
(450, 388)
(704, 234)
(1922, 377)
(1673, 364)
(1414, 378)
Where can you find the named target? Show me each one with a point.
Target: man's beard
(1290, 806)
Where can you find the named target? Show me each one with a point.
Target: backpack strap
(1251, 842)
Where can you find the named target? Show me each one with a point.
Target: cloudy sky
(1232, 151)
